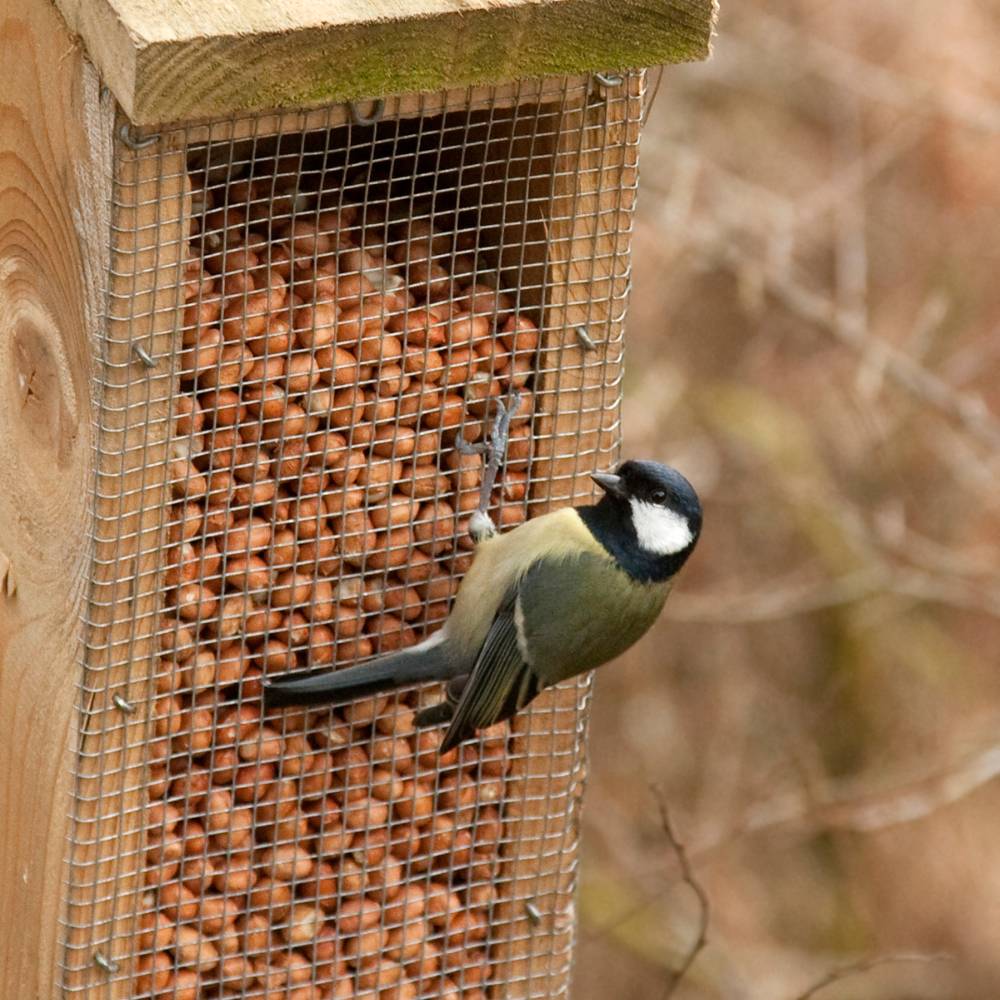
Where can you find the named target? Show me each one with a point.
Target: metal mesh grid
(288, 359)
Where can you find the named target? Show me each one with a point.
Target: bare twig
(859, 809)
(949, 591)
(848, 184)
(781, 599)
(865, 965)
(717, 242)
(970, 361)
(850, 237)
(687, 876)
(651, 99)
(936, 557)
(494, 452)
(847, 70)
(967, 409)
(776, 600)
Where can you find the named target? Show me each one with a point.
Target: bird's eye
(658, 496)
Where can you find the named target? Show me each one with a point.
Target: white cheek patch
(660, 530)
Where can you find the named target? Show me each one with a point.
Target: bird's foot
(481, 526)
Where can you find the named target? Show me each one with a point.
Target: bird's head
(659, 503)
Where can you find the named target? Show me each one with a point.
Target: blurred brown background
(815, 340)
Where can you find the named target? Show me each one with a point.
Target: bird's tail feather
(396, 670)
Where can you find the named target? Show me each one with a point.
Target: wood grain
(190, 59)
(54, 192)
(593, 176)
(143, 307)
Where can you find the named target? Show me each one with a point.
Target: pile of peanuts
(330, 358)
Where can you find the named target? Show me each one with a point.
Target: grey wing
(501, 682)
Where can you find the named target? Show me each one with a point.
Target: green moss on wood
(198, 78)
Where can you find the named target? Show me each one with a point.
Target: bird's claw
(466, 448)
(481, 526)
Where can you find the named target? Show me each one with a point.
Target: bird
(556, 596)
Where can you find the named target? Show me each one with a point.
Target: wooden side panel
(146, 262)
(54, 191)
(186, 59)
(594, 178)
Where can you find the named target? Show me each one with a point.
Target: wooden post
(110, 799)
(54, 193)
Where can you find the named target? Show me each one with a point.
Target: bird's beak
(610, 483)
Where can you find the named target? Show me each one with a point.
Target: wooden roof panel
(177, 60)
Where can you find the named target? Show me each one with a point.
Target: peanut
(319, 513)
(154, 973)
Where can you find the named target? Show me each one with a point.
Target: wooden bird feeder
(263, 268)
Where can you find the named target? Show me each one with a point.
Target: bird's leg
(494, 452)
(434, 715)
(437, 715)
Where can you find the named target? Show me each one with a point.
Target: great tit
(558, 595)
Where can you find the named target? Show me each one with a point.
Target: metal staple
(143, 355)
(127, 136)
(372, 118)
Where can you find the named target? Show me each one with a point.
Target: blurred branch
(970, 361)
(968, 409)
(868, 80)
(952, 591)
(864, 811)
(930, 317)
(935, 557)
(773, 273)
(775, 601)
(849, 220)
(717, 243)
(866, 965)
(850, 181)
(651, 98)
(689, 877)
(963, 464)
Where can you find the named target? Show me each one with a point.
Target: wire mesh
(305, 313)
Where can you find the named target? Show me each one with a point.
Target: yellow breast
(501, 560)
